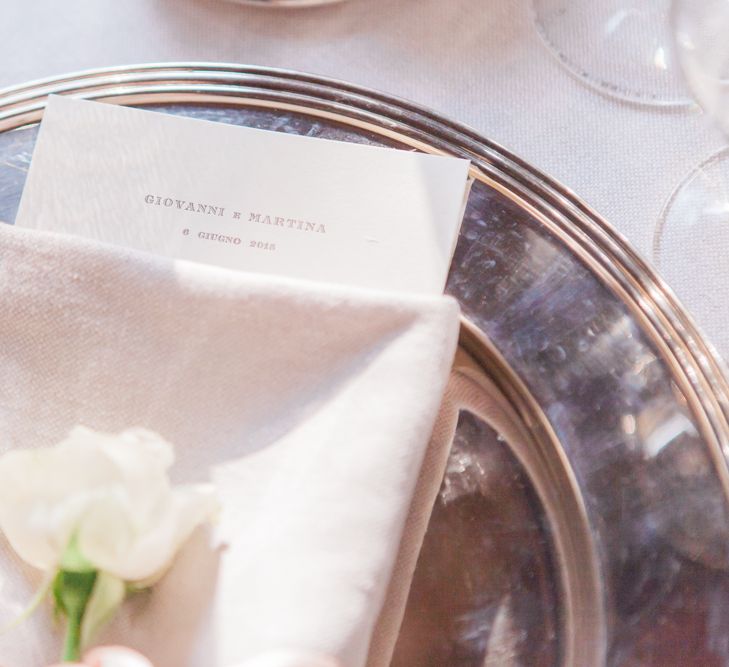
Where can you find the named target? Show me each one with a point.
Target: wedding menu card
(245, 199)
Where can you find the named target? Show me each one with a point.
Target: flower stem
(72, 591)
(72, 642)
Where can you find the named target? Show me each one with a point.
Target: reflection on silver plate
(603, 538)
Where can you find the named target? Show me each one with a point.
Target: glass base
(621, 48)
(691, 245)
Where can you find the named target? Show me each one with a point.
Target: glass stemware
(691, 239)
(621, 48)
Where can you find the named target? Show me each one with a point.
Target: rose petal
(142, 553)
(111, 492)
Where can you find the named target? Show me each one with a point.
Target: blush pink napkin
(310, 406)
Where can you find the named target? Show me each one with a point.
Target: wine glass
(691, 240)
(621, 48)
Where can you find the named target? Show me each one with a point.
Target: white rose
(109, 494)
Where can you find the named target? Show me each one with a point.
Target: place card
(245, 199)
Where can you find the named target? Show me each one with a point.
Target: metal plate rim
(596, 241)
(603, 249)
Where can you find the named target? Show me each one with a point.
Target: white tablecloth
(478, 61)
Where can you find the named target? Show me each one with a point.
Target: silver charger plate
(603, 538)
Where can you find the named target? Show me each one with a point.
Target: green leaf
(105, 599)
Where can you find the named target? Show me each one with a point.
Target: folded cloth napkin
(310, 407)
